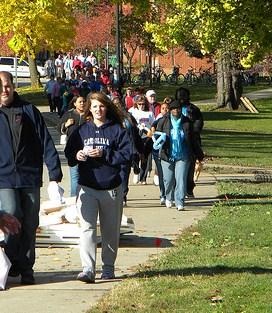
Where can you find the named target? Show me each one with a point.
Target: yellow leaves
(37, 24)
(228, 6)
(248, 60)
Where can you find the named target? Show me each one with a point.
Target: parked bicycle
(157, 76)
(190, 78)
(175, 78)
(142, 77)
(205, 77)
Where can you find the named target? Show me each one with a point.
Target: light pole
(117, 44)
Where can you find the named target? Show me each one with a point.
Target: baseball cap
(150, 93)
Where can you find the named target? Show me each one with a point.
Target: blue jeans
(74, 180)
(24, 203)
(175, 180)
(157, 161)
(124, 173)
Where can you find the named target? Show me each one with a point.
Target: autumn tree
(94, 27)
(35, 25)
(237, 32)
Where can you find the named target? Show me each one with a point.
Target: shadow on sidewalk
(56, 277)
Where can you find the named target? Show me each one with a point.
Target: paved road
(254, 95)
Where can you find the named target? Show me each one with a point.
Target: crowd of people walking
(109, 135)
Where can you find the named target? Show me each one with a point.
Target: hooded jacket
(22, 166)
(101, 173)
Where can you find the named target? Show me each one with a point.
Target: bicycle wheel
(155, 79)
(180, 79)
(172, 79)
(137, 80)
(191, 79)
(164, 78)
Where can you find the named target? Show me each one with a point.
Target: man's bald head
(7, 92)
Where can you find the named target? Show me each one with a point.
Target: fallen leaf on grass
(216, 299)
(195, 234)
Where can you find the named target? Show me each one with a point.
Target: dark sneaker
(107, 276)
(86, 278)
(13, 272)
(190, 195)
(27, 279)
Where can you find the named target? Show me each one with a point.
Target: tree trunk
(150, 54)
(34, 75)
(237, 88)
(220, 83)
(229, 84)
(227, 81)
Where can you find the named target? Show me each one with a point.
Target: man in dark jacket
(195, 116)
(25, 143)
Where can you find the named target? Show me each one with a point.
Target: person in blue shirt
(193, 113)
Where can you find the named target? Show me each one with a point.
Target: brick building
(174, 57)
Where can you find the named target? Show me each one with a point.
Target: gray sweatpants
(109, 205)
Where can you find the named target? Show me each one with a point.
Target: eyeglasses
(141, 103)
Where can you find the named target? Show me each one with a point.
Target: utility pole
(117, 44)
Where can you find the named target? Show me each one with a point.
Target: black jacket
(196, 118)
(79, 120)
(164, 125)
(23, 166)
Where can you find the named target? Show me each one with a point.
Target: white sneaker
(156, 180)
(168, 203)
(136, 179)
(180, 208)
(162, 201)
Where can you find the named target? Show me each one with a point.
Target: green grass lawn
(221, 265)
(239, 137)
(36, 96)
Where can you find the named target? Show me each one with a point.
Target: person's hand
(93, 152)
(69, 122)
(81, 156)
(9, 224)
